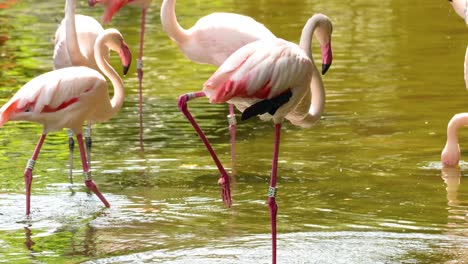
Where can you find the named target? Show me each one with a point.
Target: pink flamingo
(74, 46)
(112, 7)
(212, 40)
(451, 153)
(273, 78)
(66, 97)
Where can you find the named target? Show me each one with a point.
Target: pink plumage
(260, 70)
(66, 97)
(49, 99)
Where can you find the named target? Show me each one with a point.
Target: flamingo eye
(28, 109)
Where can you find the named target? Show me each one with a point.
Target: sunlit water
(365, 185)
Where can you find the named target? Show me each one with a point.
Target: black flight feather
(266, 106)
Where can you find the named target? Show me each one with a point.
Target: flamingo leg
(224, 179)
(140, 74)
(272, 191)
(88, 181)
(28, 172)
(71, 146)
(88, 143)
(232, 130)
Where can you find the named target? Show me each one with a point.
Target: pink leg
(88, 181)
(28, 172)
(272, 191)
(140, 74)
(232, 129)
(224, 179)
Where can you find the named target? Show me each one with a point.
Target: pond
(364, 185)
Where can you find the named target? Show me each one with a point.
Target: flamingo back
(216, 36)
(49, 93)
(260, 70)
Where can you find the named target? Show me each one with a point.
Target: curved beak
(327, 57)
(125, 57)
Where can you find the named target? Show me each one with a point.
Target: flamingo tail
(7, 111)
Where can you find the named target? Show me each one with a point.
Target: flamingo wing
(51, 92)
(260, 70)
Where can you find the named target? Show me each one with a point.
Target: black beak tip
(325, 68)
(125, 69)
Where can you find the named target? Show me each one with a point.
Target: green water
(365, 185)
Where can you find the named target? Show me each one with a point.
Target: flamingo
(112, 7)
(212, 40)
(74, 46)
(273, 78)
(451, 153)
(66, 97)
(461, 8)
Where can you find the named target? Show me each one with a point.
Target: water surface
(364, 185)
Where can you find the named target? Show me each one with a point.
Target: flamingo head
(450, 154)
(116, 42)
(125, 56)
(327, 57)
(323, 33)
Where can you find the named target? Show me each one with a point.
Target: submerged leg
(140, 74)
(224, 179)
(272, 191)
(71, 146)
(28, 172)
(88, 181)
(232, 130)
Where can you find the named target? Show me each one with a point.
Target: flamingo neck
(169, 22)
(454, 125)
(316, 85)
(100, 49)
(73, 48)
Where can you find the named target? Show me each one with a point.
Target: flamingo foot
(92, 187)
(28, 181)
(223, 182)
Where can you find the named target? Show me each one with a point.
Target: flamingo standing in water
(273, 78)
(74, 46)
(450, 155)
(212, 40)
(66, 97)
(112, 7)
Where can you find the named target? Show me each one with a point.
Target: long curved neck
(316, 84)
(169, 22)
(73, 48)
(457, 121)
(100, 48)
